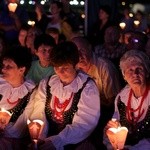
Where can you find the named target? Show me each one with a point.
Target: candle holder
(4, 118)
(117, 137)
(12, 7)
(35, 128)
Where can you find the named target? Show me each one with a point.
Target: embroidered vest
(54, 126)
(138, 131)
(19, 108)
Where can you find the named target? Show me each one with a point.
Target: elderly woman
(15, 94)
(67, 102)
(132, 104)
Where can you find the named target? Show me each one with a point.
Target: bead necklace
(12, 103)
(59, 108)
(131, 111)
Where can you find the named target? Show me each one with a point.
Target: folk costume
(70, 112)
(16, 101)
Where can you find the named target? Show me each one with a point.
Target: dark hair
(64, 53)
(59, 4)
(44, 39)
(52, 30)
(20, 55)
(106, 8)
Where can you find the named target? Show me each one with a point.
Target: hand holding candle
(117, 136)
(35, 128)
(4, 118)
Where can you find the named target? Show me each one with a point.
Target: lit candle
(31, 23)
(35, 128)
(122, 25)
(136, 22)
(117, 136)
(12, 7)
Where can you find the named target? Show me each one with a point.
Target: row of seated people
(77, 100)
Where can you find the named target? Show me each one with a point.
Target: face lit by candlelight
(10, 70)
(66, 73)
(135, 74)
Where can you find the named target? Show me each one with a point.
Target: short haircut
(20, 55)
(44, 39)
(85, 50)
(137, 57)
(64, 53)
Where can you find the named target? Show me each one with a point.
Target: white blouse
(18, 128)
(135, 102)
(143, 144)
(85, 119)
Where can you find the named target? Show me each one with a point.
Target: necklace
(131, 111)
(59, 108)
(12, 103)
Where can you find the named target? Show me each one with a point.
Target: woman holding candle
(15, 93)
(67, 102)
(132, 104)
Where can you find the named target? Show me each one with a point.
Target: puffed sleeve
(84, 121)
(39, 106)
(18, 129)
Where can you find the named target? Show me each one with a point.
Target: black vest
(138, 131)
(19, 108)
(54, 126)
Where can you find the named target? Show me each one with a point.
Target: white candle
(136, 22)
(12, 7)
(122, 25)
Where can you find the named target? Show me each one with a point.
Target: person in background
(56, 15)
(143, 24)
(11, 22)
(3, 48)
(97, 35)
(127, 20)
(42, 68)
(132, 104)
(67, 102)
(137, 41)
(42, 19)
(70, 28)
(54, 32)
(106, 77)
(31, 35)
(23, 35)
(15, 97)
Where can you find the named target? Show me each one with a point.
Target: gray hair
(135, 56)
(85, 47)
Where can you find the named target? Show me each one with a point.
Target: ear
(36, 52)
(22, 70)
(124, 77)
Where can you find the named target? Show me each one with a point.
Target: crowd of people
(76, 84)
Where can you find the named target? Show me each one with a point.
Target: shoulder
(124, 93)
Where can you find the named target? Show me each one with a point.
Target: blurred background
(88, 9)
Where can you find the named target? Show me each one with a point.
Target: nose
(136, 72)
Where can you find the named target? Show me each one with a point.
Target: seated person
(15, 94)
(67, 102)
(106, 77)
(42, 68)
(132, 104)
